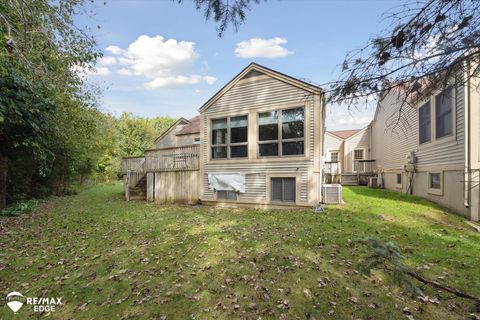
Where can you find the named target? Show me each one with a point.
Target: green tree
(41, 95)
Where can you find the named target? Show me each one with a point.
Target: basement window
(435, 183)
(399, 180)
(283, 190)
(226, 195)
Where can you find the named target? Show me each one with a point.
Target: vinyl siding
(391, 143)
(360, 140)
(170, 139)
(249, 98)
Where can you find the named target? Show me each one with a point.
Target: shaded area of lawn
(111, 259)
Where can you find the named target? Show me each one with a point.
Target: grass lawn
(111, 259)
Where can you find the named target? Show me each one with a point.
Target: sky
(162, 58)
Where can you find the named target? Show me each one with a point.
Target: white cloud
(340, 117)
(179, 80)
(124, 72)
(114, 50)
(107, 61)
(262, 48)
(164, 62)
(101, 71)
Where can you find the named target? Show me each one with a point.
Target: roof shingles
(192, 127)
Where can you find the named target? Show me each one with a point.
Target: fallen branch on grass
(386, 256)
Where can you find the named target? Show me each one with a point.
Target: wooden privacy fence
(173, 186)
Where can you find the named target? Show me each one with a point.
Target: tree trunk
(3, 181)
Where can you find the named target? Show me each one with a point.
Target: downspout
(466, 183)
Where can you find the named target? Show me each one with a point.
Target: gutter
(466, 183)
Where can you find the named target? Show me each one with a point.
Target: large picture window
(230, 137)
(443, 113)
(424, 123)
(281, 132)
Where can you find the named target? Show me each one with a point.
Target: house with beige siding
(266, 128)
(434, 151)
(257, 142)
(182, 132)
(348, 155)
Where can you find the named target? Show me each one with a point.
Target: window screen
(443, 113)
(424, 122)
(226, 195)
(434, 181)
(283, 189)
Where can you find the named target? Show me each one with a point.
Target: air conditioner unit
(332, 193)
(373, 182)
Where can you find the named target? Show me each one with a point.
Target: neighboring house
(434, 152)
(182, 132)
(346, 147)
(267, 128)
(261, 144)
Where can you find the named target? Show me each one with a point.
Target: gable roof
(264, 70)
(176, 123)
(192, 127)
(345, 134)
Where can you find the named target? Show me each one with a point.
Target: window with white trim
(444, 113)
(230, 137)
(281, 132)
(334, 156)
(358, 154)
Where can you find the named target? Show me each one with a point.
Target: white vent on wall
(332, 193)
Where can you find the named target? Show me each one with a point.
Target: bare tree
(425, 43)
(224, 12)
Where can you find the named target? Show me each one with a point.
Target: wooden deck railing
(173, 159)
(131, 163)
(333, 167)
(364, 166)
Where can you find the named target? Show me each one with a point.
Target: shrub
(19, 208)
